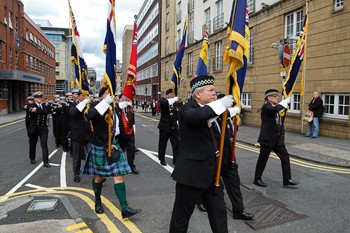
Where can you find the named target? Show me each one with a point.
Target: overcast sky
(91, 19)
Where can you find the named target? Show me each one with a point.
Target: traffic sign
(286, 56)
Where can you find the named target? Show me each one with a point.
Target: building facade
(92, 75)
(327, 62)
(148, 51)
(60, 37)
(27, 58)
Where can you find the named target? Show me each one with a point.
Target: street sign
(286, 55)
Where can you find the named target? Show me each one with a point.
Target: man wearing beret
(195, 167)
(37, 127)
(271, 138)
(168, 127)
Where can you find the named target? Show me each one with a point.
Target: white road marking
(38, 187)
(14, 189)
(154, 156)
(55, 164)
(63, 180)
(147, 125)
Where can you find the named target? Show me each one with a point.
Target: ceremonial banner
(202, 68)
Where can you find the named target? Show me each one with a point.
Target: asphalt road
(322, 195)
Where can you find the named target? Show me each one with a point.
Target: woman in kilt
(97, 162)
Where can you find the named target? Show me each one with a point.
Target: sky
(91, 19)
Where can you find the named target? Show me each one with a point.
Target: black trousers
(78, 151)
(130, 150)
(164, 136)
(281, 152)
(64, 138)
(232, 184)
(33, 139)
(57, 131)
(185, 200)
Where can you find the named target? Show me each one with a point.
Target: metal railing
(218, 22)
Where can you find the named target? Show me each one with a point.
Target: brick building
(27, 58)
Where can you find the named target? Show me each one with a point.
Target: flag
(202, 67)
(77, 58)
(130, 84)
(297, 59)
(175, 79)
(109, 48)
(238, 51)
(18, 40)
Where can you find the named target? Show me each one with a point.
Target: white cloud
(91, 19)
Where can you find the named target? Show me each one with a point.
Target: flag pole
(304, 69)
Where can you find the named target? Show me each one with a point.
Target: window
(251, 47)
(250, 5)
(57, 74)
(178, 38)
(167, 3)
(57, 46)
(10, 19)
(295, 103)
(166, 74)
(218, 56)
(338, 5)
(16, 60)
(167, 22)
(167, 45)
(246, 100)
(57, 55)
(293, 27)
(191, 28)
(207, 19)
(0, 50)
(218, 21)
(336, 105)
(10, 58)
(178, 13)
(190, 65)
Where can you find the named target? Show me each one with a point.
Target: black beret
(270, 92)
(38, 94)
(102, 91)
(201, 81)
(169, 91)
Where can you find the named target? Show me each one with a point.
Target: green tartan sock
(97, 190)
(120, 191)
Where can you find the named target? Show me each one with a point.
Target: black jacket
(37, 120)
(168, 117)
(79, 125)
(270, 130)
(316, 105)
(196, 162)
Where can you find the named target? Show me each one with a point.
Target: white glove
(108, 99)
(285, 102)
(234, 111)
(128, 103)
(173, 100)
(122, 104)
(219, 106)
(82, 104)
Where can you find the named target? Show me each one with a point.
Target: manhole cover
(38, 205)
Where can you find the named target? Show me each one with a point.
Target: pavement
(14, 212)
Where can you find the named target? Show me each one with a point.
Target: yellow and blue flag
(202, 68)
(77, 58)
(297, 59)
(109, 48)
(238, 51)
(175, 79)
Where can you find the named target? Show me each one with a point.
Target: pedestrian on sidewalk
(271, 138)
(168, 126)
(97, 162)
(316, 106)
(38, 127)
(195, 167)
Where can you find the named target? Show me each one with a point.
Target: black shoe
(99, 208)
(32, 161)
(243, 215)
(47, 165)
(260, 183)
(201, 207)
(130, 212)
(135, 171)
(77, 179)
(290, 183)
(162, 162)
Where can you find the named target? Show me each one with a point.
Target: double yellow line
(299, 162)
(77, 192)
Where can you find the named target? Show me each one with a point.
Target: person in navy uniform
(37, 127)
(97, 164)
(79, 130)
(56, 111)
(30, 101)
(195, 167)
(316, 106)
(168, 126)
(271, 138)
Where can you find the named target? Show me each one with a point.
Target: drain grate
(40, 205)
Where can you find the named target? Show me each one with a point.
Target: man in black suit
(271, 138)
(316, 106)
(79, 130)
(168, 127)
(37, 127)
(30, 101)
(194, 172)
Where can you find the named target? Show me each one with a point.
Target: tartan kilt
(97, 163)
